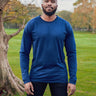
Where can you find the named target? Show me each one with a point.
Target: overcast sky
(62, 4)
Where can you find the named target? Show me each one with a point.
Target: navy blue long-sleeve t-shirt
(48, 40)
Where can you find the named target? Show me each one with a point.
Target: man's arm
(71, 57)
(24, 53)
(24, 58)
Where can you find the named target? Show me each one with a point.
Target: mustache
(49, 7)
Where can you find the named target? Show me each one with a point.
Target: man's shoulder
(63, 20)
(67, 24)
(33, 20)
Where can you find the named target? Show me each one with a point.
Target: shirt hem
(49, 81)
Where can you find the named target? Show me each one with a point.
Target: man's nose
(49, 3)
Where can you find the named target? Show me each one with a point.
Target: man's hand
(71, 89)
(29, 88)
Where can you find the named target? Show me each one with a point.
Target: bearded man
(48, 34)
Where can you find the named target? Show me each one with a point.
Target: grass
(86, 57)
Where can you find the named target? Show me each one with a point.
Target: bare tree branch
(14, 34)
(3, 3)
(7, 18)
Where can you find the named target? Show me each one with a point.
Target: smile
(49, 7)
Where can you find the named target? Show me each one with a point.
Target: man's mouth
(50, 7)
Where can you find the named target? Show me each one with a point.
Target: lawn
(86, 57)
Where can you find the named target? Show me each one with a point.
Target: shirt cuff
(72, 82)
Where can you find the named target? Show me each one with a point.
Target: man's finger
(71, 92)
(67, 89)
(32, 88)
(30, 92)
(27, 91)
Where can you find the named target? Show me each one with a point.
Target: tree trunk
(93, 30)
(9, 83)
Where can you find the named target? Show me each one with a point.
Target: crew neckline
(49, 21)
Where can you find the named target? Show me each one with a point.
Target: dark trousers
(56, 89)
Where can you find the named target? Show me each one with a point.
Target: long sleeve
(24, 53)
(71, 53)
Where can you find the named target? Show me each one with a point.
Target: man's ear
(41, 5)
(57, 5)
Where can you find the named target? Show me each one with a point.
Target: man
(48, 33)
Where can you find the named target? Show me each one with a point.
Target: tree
(84, 13)
(16, 14)
(9, 83)
(93, 21)
(34, 11)
(80, 18)
(19, 12)
(65, 15)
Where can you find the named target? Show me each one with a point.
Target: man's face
(49, 7)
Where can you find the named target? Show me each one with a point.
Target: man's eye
(53, 1)
(46, 0)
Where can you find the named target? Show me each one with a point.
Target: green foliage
(86, 57)
(16, 14)
(34, 11)
(65, 15)
(84, 15)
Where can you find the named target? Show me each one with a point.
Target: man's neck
(48, 18)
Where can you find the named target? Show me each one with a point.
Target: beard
(49, 13)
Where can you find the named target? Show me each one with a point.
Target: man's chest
(55, 31)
